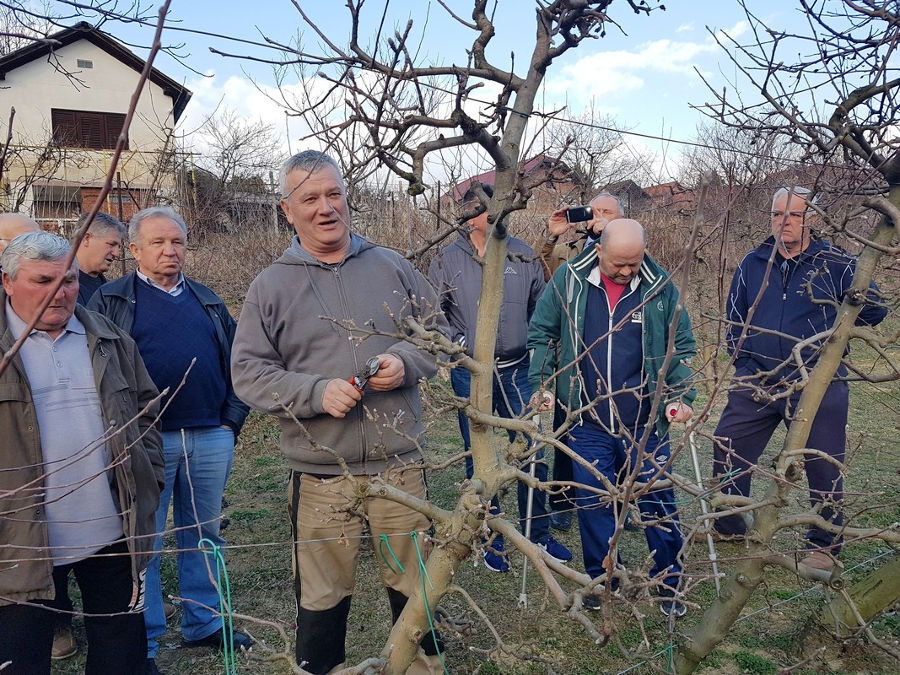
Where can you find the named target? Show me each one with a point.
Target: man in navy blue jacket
(184, 333)
(794, 283)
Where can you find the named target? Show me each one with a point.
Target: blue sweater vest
(169, 332)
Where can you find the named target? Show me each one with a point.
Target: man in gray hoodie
(310, 322)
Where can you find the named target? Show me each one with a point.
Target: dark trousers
(745, 428)
(116, 644)
(561, 500)
(511, 394)
(62, 601)
(611, 456)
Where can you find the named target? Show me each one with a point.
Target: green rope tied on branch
(222, 581)
(423, 576)
(382, 542)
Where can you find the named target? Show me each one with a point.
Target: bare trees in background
(594, 149)
(230, 172)
(22, 23)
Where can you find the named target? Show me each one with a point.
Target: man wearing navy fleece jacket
(799, 285)
(174, 321)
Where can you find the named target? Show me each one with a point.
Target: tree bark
(871, 596)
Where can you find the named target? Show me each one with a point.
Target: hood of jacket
(295, 254)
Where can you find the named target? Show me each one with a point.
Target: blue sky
(643, 75)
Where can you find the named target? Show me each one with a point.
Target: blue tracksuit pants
(614, 456)
(747, 425)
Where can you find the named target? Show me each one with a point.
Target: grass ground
(778, 628)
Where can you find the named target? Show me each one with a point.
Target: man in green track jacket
(599, 337)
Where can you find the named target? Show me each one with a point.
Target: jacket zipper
(345, 308)
(609, 385)
(644, 354)
(579, 318)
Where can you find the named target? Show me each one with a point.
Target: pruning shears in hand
(361, 379)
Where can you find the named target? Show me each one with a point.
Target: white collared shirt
(175, 291)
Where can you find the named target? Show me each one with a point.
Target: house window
(85, 63)
(85, 129)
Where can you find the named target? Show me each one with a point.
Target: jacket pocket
(13, 391)
(116, 388)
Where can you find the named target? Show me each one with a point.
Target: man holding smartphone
(593, 218)
(602, 209)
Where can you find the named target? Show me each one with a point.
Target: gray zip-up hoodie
(304, 323)
(456, 276)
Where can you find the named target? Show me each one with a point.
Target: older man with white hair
(80, 470)
(184, 332)
(794, 284)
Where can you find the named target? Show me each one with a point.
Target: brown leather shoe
(64, 645)
(169, 609)
(818, 560)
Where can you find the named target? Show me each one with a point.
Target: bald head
(14, 224)
(620, 250)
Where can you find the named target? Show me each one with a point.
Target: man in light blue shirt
(80, 471)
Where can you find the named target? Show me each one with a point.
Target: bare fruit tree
(411, 114)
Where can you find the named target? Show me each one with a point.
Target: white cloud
(685, 28)
(251, 101)
(614, 74)
(236, 93)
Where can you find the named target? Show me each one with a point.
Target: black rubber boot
(321, 636)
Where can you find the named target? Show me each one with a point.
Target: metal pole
(713, 558)
(523, 596)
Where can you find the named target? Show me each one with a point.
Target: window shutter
(64, 131)
(87, 129)
(92, 130)
(114, 124)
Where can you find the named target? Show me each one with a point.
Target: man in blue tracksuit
(599, 335)
(456, 276)
(794, 283)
